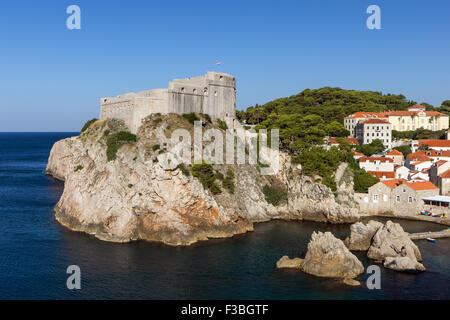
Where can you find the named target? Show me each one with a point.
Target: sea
(36, 251)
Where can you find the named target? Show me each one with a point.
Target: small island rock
(286, 262)
(392, 245)
(361, 235)
(327, 256)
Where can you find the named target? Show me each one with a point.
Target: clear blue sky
(51, 78)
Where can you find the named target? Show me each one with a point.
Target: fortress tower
(213, 94)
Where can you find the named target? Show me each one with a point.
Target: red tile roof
(415, 185)
(435, 113)
(418, 155)
(417, 106)
(381, 121)
(372, 159)
(445, 174)
(422, 185)
(365, 115)
(399, 113)
(393, 183)
(402, 113)
(381, 174)
(356, 153)
(394, 152)
(435, 143)
(332, 140)
(440, 163)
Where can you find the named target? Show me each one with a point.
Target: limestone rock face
(405, 264)
(361, 235)
(393, 246)
(286, 262)
(309, 200)
(143, 193)
(327, 256)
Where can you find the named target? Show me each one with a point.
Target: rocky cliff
(123, 189)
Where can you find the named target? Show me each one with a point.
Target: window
(410, 199)
(182, 89)
(385, 197)
(404, 190)
(375, 198)
(397, 198)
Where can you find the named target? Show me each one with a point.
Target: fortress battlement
(213, 94)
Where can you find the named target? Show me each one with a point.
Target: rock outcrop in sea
(361, 235)
(122, 188)
(392, 246)
(327, 256)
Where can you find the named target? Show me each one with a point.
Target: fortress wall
(213, 94)
(118, 108)
(185, 103)
(156, 102)
(220, 102)
(186, 95)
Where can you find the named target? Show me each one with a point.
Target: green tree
(405, 150)
(336, 129)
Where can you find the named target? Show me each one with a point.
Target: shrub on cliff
(274, 195)
(184, 170)
(228, 181)
(205, 173)
(116, 140)
(222, 124)
(88, 124)
(191, 117)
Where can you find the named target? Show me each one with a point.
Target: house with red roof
(439, 175)
(426, 155)
(357, 155)
(380, 167)
(396, 196)
(395, 155)
(434, 144)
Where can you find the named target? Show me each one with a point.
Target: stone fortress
(213, 94)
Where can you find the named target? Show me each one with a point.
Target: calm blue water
(35, 251)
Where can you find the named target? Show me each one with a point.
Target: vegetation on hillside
(405, 150)
(274, 194)
(306, 118)
(376, 146)
(205, 174)
(115, 140)
(88, 124)
(418, 134)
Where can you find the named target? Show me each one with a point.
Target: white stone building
(401, 172)
(373, 129)
(352, 120)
